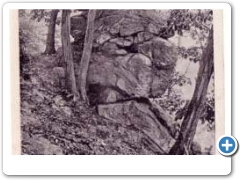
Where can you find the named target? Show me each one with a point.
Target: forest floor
(52, 123)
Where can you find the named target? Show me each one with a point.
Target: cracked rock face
(138, 115)
(130, 59)
(142, 74)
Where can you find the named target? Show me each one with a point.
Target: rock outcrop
(129, 60)
(142, 118)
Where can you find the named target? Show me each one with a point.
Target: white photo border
(112, 164)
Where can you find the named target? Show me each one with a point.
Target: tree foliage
(195, 107)
(196, 21)
(197, 24)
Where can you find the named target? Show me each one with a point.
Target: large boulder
(130, 26)
(140, 117)
(129, 62)
(143, 74)
(129, 75)
(129, 59)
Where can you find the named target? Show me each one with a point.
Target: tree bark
(67, 53)
(190, 121)
(50, 42)
(87, 50)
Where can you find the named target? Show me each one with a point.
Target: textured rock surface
(144, 120)
(133, 74)
(130, 61)
(103, 38)
(152, 28)
(40, 145)
(130, 27)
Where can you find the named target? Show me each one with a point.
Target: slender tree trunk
(50, 42)
(67, 53)
(87, 50)
(190, 121)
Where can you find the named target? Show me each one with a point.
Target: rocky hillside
(132, 65)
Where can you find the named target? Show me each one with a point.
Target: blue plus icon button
(227, 145)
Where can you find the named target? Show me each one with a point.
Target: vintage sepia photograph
(117, 81)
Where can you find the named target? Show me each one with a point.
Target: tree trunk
(67, 53)
(50, 42)
(190, 121)
(87, 50)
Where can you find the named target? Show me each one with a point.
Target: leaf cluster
(186, 20)
(193, 53)
(40, 14)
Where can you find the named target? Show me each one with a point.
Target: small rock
(58, 100)
(115, 29)
(146, 49)
(109, 47)
(109, 95)
(121, 84)
(129, 27)
(112, 97)
(144, 36)
(153, 29)
(135, 41)
(128, 41)
(129, 38)
(42, 146)
(124, 59)
(140, 37)
(103, 38)
(118, 41)
(148, 36)
(119, 52)
(122, 42)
